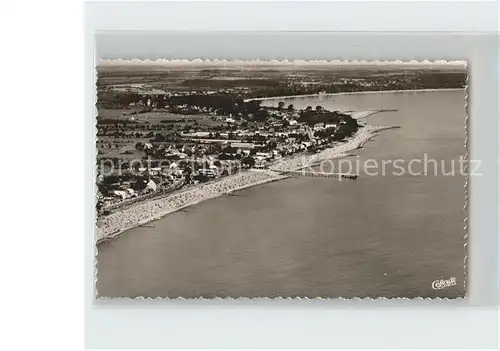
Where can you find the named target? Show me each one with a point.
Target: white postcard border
(326, 323)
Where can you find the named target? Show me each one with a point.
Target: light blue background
(471, 323)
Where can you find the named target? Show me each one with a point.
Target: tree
(248, 161)
(159, 137)
(252, 106)
(139, 146)
(140, 184)
(352, 123)
(340, 135)
(230, 150)
(261, 115)
(201, 178)
(160, 103)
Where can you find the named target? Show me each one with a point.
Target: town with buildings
(194, 142)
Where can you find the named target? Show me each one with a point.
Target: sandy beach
(112, 225)
(141, 213)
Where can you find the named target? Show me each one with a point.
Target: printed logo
(441, 284)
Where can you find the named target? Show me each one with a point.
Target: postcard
(292, 179)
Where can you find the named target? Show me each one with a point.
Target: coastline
(353, 93)
(113, 225)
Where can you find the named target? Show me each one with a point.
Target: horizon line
(273, 62)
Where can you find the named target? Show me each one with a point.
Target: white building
(151, 185)
(121, 193)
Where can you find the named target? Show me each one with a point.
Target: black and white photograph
(292, 179)
(251, 175)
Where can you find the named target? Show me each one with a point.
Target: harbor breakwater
(112, 225)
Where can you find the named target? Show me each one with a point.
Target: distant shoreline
(352, 93)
